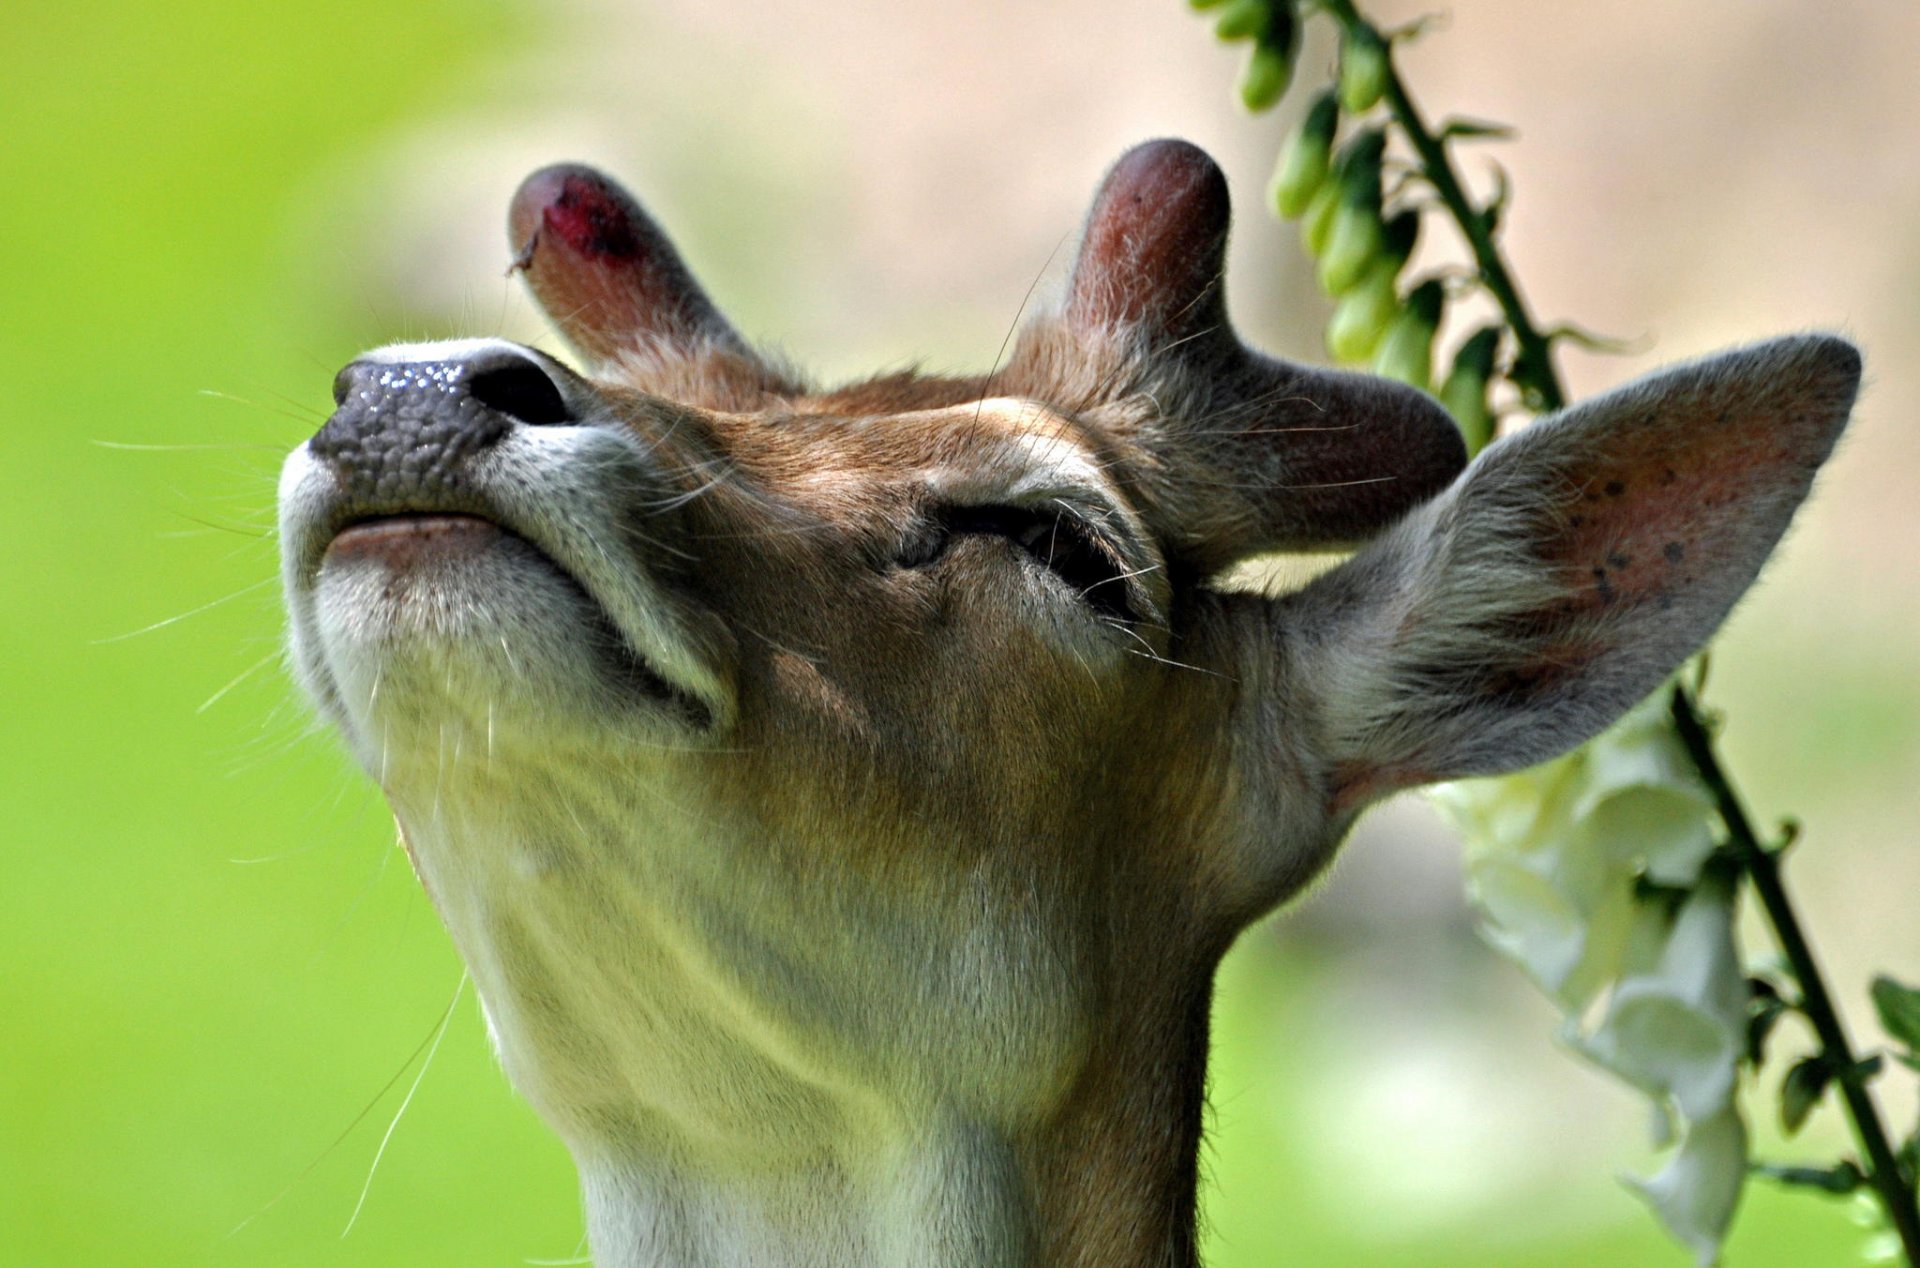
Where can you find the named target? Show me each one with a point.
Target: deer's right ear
(1565, 574)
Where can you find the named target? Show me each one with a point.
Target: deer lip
(402, 540)
(410, 539)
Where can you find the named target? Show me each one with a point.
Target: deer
(841, 797)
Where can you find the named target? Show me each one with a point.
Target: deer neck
(735, 1090)
(1109, 1183)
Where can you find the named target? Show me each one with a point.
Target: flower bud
(1406, 350)
(1352, 246)
(1265, 77)
(1316, 223)
(1354, 237)
(1465, 391)
(1364, 313)
(1241, 20)
(1303, 165)
(1363, 69)
(1201, 6)
(1399, 236)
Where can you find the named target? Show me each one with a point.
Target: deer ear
(1566, 573)
(1257, 453)
(1154, 249)
(611, 281)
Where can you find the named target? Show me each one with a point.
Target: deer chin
(438, 603)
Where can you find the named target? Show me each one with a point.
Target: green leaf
(1475, 129)
(1801, 1090)
(1496, 208)
(1611, 345)
(1842, 1178)
(1899, 1009)
(1766, 1012)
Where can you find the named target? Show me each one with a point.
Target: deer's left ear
(1565, 574)
(1252, 453)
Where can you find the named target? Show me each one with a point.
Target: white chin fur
(546, 623)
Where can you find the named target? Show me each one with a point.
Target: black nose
(408, 425)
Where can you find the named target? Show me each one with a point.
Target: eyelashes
(1051, 539)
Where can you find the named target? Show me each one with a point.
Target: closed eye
(1053, 539)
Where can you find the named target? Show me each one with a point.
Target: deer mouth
(428, 556)
(413, 539)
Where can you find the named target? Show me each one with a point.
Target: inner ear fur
(1249, 453)
(1566, 574)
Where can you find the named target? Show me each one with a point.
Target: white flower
(1696, 1192)
(1641, 795)
(1553, 853)
(1556, 857)
(1678, 1032)
(1548, 908)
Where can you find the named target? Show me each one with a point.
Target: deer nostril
(521, 390)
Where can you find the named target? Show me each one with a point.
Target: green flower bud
(1201, 6)
(1465, 391)
(1241, 19)
(1352, 246)
(1363, 69)
(1406, 350)
(1354, 237)
(1399, 236)
(1359, 162)
(1316, 224)
(1303, 165)
(1364, 313)
(1264, 79)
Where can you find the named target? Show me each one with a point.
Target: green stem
(1533, 372)
(1762, 866)
(1533, 368)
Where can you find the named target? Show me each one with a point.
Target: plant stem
(1533, 372)
(1762, 866)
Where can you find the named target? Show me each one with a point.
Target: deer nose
(404, 424)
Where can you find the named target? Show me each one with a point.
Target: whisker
(133, 446)
(441, 1033)
(337, 1141)
(174, 620)
(305, 415)
(993, 370)
(237, 679)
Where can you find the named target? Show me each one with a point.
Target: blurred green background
(214, 960)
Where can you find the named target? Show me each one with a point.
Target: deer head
(842, 797)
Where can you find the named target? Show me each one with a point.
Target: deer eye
(1052, 539)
